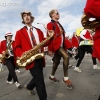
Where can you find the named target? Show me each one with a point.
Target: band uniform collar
(28, 28)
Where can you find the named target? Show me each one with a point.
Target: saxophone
(32, 54)
(89, 24)
(6, 54)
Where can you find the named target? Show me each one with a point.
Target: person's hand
(0, 55)
(74, 48)
(50, 33)
(3, 52)
(73, 53)
(50, 53)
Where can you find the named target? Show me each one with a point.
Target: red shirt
(75, 41)
(92, 8)
(68, 44)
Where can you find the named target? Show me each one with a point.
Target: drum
(87, 42)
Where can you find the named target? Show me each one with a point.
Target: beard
(28, 21)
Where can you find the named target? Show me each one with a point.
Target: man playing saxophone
(28, 38)
(8, 58)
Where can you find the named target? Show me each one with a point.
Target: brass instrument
(32, 54)
(89, 24)
(6, 55)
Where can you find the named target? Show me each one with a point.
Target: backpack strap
(54, 27)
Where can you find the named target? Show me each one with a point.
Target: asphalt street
(86, 84)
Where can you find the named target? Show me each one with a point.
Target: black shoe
(31, 92)
(99, 97)
(76, 57)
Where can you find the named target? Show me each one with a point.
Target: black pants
(11, 68)
(77, 55)
(38, 80)
(16, 67)
(82, 51)
(70, 49)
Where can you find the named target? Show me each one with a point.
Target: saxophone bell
(32, 54)
(7, 56)
(86, 23)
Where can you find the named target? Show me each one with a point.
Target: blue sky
(70, 14)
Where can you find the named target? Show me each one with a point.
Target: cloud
(10, 19)
(46, 6)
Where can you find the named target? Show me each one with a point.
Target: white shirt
(9, 50)
(35, 35)
(83, 33)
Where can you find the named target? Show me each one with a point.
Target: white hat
(8, 33)
(26, 12)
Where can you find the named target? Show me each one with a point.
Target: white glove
(74, 48)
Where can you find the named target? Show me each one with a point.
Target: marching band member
(75, 41)
(27, 38)
(57, 47)
(85, 37)
(69, 48)
(91, 11)
(8, 44)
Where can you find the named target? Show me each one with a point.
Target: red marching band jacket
(57, 39)
(75, 41)
(91, 10)
(23, 43)
(68, 44)
(88, 35)
(3, 47)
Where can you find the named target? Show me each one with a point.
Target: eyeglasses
(57, 13)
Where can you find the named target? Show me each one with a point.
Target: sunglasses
(57, 13)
